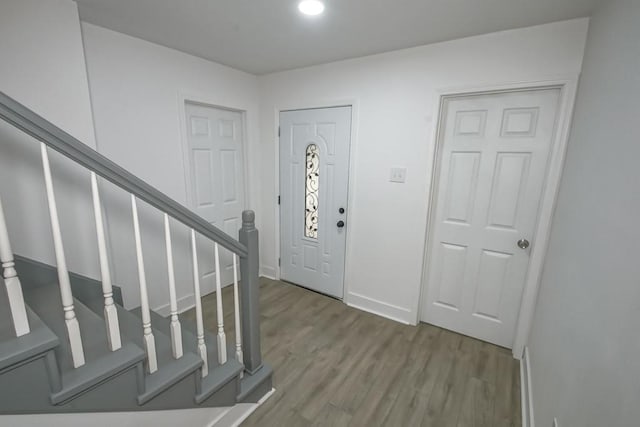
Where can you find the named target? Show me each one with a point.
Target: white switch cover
(398, 175)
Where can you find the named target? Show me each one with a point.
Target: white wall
(42, 66)
(136, 90)
(395, 95)
(584, 344)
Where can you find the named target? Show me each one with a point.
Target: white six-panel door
(215, 152)
(494, 153)
(314, 175)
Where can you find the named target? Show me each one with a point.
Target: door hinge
(278, 131)
(278, 199)
(278, 262)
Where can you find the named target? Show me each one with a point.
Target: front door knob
(340, 224)
(523, 243)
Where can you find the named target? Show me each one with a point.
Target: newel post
(250, 294)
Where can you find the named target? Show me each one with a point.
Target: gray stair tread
(16, 349)
(100, 362)
(170, 370)
(218, 375)
(251, 382)
(34, 274)
(189, 339)
(98, 371)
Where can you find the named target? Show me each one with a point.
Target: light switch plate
(398, 175)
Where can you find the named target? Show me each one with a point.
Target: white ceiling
(263, 36)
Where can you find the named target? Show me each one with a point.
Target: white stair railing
(149, 340)
(202, 348)
(12, 281)
(176, 331)
(73, 328)
(110, 311)
(245, 251)
(236, 306)
(222, 339)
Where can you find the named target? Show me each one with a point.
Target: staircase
(68, 345)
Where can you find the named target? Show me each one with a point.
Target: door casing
(568, 89)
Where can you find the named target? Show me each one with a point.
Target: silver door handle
(523, 243)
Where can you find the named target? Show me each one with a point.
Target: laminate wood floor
(338, 366)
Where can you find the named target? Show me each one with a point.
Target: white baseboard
(526, 394)
(240, 412)
(390, 311)
(185, 303)
(268, 272)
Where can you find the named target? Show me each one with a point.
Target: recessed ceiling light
(311, 7)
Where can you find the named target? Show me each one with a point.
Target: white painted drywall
(584, 344)
(136, 89)
(42, 66)
(395, 95)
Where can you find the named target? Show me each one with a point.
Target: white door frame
(183, 98)
(555, 166)
(350, 102)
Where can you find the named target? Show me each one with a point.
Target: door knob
(523, 243)
(340, 224)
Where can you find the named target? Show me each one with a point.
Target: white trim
(545, 215)
(203, 417)
(268, 272)
(390, 311)
(240, 412)
(231, 416)
(185, 302)
(526, 400)
(568, 87)
(355, 106)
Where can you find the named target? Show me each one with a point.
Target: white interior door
(494, 154)
(215, 151)
(314, 180)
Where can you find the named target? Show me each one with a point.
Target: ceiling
(263, 36)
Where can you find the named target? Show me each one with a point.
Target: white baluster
(222, 339)
(176, 331)
(12, 281)
(73, 328)
(236, 303)
(149, 340)
(110, 311)
(202, 348)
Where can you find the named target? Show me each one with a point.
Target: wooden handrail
(41, 129)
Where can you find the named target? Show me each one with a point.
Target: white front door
(214, 138)
(494, 153)
(314, 179)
